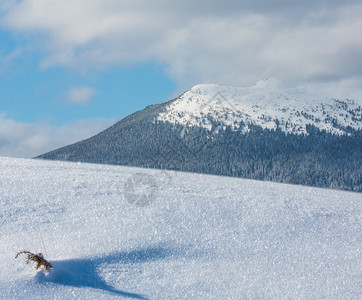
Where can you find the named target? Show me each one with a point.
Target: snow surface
(198, 236)
(326, 106)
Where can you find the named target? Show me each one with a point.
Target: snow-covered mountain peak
(270, 104)
(271, 83)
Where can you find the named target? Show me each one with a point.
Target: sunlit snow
(196, 236)
(269, 104)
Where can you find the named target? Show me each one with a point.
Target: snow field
(200, 237)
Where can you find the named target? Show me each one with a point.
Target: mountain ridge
(214, 135)
(269, 104)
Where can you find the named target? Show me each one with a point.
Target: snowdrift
(117, 232)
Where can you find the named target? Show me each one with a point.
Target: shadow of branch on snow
(83, 272)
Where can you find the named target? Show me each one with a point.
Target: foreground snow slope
(200, 237)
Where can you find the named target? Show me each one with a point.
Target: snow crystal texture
(197, 236)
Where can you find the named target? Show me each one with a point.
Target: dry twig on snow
(38, 258)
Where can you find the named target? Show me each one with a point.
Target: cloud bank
(31, 139)
(226, 42)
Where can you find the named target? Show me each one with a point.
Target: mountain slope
(270, 104)
(308, 135)
(199, 237)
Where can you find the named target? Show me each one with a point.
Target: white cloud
(31, 139)
(7, 61)
(80, 95)
(230, 42)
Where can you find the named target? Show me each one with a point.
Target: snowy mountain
(270, 104)
(114, 232)
(309, 134)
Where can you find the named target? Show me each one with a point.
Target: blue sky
(30, 94)
(69, 69)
